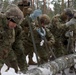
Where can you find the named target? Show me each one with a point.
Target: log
(53, 67)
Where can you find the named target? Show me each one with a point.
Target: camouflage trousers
(28, 49)
(7, 56)
(19, 52)
(60, 49)
(42, 53)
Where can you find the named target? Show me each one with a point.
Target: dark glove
(49, 43)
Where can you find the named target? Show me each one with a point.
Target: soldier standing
(25, 8)
(40, 32)
(58, 29)
(17, 45)
(8, 22)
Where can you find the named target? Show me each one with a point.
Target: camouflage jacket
(7, 36)
(58, 28)
(27, 36)
(49, 36)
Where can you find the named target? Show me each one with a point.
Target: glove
(43, 33)
(5, 52)
(49, 43)
(71, 22)
(69, 33)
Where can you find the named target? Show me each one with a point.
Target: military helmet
(27, 10)
(15, 14)
(44, 19)
(23, 3)
(68, 12)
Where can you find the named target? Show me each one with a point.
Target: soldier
(8, 21)
(25, 7)
(72, 37)
(40, 33)
(59, 30)
(17, 45)
(61, 26)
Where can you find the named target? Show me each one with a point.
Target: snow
(45, 71)
(11, 71)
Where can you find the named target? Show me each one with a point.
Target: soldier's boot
(42, 61)
(23, 66)
(31, 62)
(71, 70)
(14, 65)
(23, 70)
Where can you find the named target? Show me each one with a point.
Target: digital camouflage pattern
(42, 51)
(24, 5)
(17, 45)
(13, 10)
(7, 38)
(27, 10)
(11, 39)
(29, 46)
(58, 29)
(18, 49)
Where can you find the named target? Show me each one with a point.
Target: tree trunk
(62, 5)
(1, 5)
(32, 4)
(44, 1)
(53, 67)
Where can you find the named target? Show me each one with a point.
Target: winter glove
(49, 43)
(42, 32)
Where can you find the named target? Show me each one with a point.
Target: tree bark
(52, 67)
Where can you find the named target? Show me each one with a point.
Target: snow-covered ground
(11, 71)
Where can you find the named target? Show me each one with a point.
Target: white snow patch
(46, 71)
(4, 68)
(11, 71)
(34, 58)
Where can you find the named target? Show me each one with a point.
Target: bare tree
(1, 5)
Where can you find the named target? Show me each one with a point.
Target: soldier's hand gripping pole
(33, 40)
